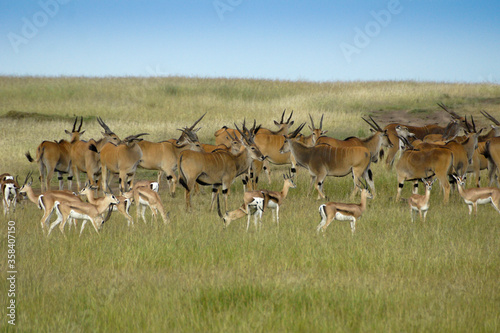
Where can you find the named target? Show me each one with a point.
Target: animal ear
(81, 133)
(67, 132)
(291, 123)
(323, 132)
(276, 123)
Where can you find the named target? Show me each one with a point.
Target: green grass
(193, 275)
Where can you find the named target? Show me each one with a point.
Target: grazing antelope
(343, 212)
(216, 168)
(323, 160)
(270, 199)
(123, 206)
(83, 211)
(121, 159)
(163, 156)
(478, 195)
(46, 200)
(85, 160)
(415, 164)
(420, 203)
(254, 208)
(146, 196)
(9, 188)
(52, 157)
(419, 132)
(374, 143)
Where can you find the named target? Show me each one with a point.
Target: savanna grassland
(193, 275)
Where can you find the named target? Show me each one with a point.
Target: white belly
(272, 204)
(79, 216)
(484, 201)
(341, 217)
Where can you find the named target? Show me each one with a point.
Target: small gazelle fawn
(255, 202)
(420, 203)
(478, 195)
(343, 212)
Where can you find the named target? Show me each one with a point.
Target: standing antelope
(46, 200)
(83, 211)
(419, 132)
(323, 160)
(123, 206)
(85, 160)
(216, 168)
(478, 195)
(145, 196)
(54, 156)
(9, 188)
(343, 212)
(269, 199)
(311, 139)
(420, 203)
(121, 159)
(163, 156)
(374, 143)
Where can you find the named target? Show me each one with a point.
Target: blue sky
(448, 40)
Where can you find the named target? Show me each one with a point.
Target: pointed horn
(375, 123)
(371, 125)
(74, 124)
(490, 117)
(282, 116)
(243, 136)
(473, 124)
(312, 122)
(196, 122)
(101, 122)
(297, 131)
(321, 122)
(81, 123)
(450, 112)
(288, 121)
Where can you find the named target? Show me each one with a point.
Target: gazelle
(343, 211)
(83, 211)
(420, 203)
(323, 160)
(46, 200)
(123, 206)
(270, 199)
(145, 196)
(216, 168)
(9, 190)
(478, 195)
(121, 159)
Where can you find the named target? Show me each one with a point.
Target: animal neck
(31, 194)
(91, 197)
(299, 151)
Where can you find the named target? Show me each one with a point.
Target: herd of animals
(428, 153)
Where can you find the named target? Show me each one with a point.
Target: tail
(58, 212)
(322, 212)
(182, 176)
(28, 156)
(154, 186)
(40, 202)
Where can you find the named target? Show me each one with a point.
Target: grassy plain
(193, 275)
